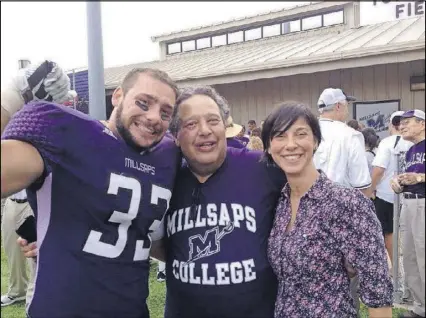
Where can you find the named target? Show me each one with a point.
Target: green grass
(157, 293)
(155, 301)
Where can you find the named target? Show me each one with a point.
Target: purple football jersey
(96, 204)
(217, 234)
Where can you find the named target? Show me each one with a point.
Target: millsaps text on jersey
(143, 167)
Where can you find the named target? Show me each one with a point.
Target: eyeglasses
(195, 203)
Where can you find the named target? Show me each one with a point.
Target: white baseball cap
(414, 113)
(331, 96)
(395, 118)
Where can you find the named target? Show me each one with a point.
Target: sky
(57, 30)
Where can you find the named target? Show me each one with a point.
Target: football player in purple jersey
(99, 190)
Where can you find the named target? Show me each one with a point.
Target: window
(265, 31)
(291, 26)
(219, 40)
(253, 34)
(235, 37)
(271, 30)
(203, 43)
(188, 46)
(173, 48)
(333, 18)
(311, 22)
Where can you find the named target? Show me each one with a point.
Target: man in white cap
(341, 154)
(384, 168)
(412, 184)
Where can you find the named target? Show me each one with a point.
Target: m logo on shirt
(209, 244)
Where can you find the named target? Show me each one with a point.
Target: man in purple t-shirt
(217, 232)
(412, 184)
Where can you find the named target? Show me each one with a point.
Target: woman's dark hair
(354, 124)
(282, 118)
(370, 137)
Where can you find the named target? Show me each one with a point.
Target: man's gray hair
(186, 93)
(329, 107)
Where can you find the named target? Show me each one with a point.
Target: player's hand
(57, 85)
(35, 82)
(408, 178)
(29, 250)
(395, 185)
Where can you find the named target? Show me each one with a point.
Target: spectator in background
(371, 142)
(73, 99)
(251, 125)
(242, 137)
(384, 168)
(412, 184)
(341, 154)
(16, 211)
(353, 123)
(255, 143)
(232, 132)
(256, 132)
(318, 224)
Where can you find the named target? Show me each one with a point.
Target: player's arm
(358, 172)
(21, 165)
(158, 250)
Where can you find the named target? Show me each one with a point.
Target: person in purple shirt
(412, 185)
(232, 134)
(219, 219)
(318, 226)
(101, 191)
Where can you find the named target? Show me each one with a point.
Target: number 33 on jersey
(124, 220)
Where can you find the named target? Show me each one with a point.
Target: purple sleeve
(359, 235)
(42, 125)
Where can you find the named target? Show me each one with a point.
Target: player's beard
(126, 135)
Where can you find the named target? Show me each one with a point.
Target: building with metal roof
(294, 53)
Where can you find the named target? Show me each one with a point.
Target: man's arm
(358, 172)
(376, 176)
(158, 250)
(21, 165)
(380, 163)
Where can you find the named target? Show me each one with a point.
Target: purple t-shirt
(234, 143)
(415, 162)
(217, 233)
(96, 204)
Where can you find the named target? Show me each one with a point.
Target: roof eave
(398, 48)
(328, 57)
